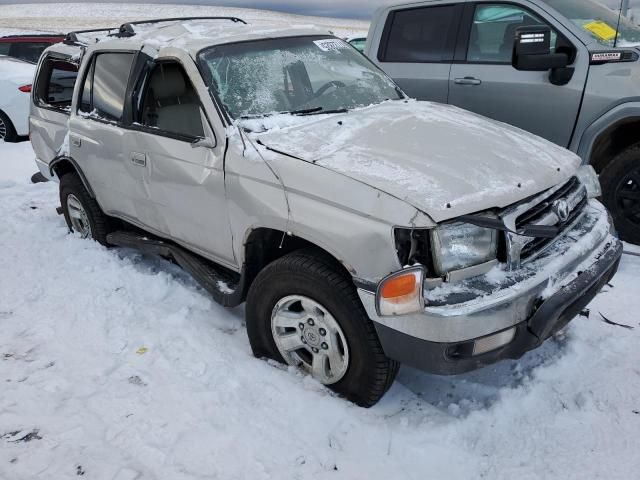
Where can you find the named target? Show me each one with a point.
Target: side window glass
(55, 84)
(4, 48)
(28, 51)
(419, 35)
(170, 102)
(109, 85)
(493, 32)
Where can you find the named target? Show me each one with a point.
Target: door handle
(139, 159)
(468, 81)
(76, 142)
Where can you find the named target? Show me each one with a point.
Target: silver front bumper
(500, 300)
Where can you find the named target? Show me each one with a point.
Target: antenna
(615, 40)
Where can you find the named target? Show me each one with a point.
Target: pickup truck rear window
(418, 35)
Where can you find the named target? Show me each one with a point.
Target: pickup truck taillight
(25, 88)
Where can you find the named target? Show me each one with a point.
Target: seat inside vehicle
(171, 102)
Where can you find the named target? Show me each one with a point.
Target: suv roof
(190, 34)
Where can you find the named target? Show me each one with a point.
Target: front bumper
(536, 301)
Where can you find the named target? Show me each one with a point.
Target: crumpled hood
(441, 159)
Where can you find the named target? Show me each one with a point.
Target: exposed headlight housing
(457, 246)
(589, 178)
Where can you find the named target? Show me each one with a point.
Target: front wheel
(303, 310)
(621, 192)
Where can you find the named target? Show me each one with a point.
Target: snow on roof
(194, 35)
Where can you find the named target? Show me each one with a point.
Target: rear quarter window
(418, 35)
(55, 84)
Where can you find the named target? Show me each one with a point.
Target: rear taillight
(25, 88)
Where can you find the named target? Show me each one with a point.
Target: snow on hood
(439, 158)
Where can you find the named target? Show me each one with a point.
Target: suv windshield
(599, 21)
(303, 75)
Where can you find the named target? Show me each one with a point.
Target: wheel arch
(613, 140)
(263, 246)
(63, 165)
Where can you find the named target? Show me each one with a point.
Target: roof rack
(127, 30)
(72, 37)
(34, 35)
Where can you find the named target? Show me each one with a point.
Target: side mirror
(532, 50)
(203, 142)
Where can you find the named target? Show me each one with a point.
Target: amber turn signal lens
(401, 293)
(399, 286)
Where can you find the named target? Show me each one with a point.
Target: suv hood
(441, 159)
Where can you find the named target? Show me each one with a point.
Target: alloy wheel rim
(78, 216)
(628, 196)
(309, 337)
(3, 129)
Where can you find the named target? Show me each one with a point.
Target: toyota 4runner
(362, 228)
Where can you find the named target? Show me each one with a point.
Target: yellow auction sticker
(601, 30)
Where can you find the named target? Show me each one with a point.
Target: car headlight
(461, 245)
(589, 178)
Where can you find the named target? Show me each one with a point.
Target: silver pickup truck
(280, 167)
(566, 70)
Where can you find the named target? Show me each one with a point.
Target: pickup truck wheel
(82, 213)
(621, 193)
(302, 310)
(7, 132)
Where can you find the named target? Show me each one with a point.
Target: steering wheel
(323, 89)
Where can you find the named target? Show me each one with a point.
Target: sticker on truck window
(331, 45)
(601, 30)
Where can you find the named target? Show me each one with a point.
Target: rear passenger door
(417, 47)
(97, 135)
(174, 144)
(484, 81)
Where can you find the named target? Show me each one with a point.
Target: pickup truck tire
(620, 182)
(76, 202)
(317, 279)
(7, 131)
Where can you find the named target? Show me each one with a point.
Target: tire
(317, 277)
(72, 192)
(7, 130)
(621, 192)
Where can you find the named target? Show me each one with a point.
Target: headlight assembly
(460, 245)
(589, 178)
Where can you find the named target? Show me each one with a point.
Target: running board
(227, 288)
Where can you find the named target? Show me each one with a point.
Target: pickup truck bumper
(455, 338)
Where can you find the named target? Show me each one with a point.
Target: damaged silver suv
(280, 167)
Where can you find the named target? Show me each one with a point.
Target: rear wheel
(621, 192)
(303, 310)
(81, 211)
(7, 131)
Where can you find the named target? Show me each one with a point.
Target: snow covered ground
(62, 17)
(118, 366)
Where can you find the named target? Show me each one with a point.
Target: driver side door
(483, 80)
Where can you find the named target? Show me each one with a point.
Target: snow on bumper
(587, 252)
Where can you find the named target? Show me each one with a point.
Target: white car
(16, 78)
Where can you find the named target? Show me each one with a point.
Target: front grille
(532, 216)
(543, 214)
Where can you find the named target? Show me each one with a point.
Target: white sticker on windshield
(331, 45)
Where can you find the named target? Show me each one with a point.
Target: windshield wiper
(317, 111)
